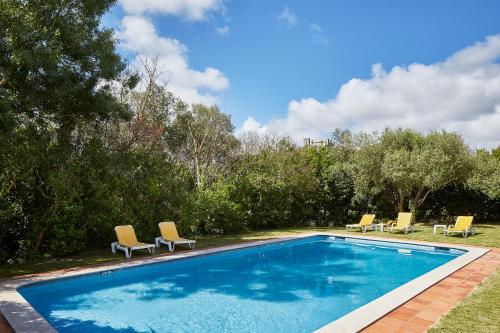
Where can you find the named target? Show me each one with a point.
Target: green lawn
(484, 301)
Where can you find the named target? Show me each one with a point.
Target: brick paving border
(426, 309)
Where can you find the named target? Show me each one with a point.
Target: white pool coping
(23, 318)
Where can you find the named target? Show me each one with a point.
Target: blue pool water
(291, 286)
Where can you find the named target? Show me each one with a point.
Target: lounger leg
(128, 253)
(113, 247)
(171, 246)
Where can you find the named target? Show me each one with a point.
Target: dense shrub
(275, 188)
(212, 210)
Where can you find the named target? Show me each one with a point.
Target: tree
(496, 152)
(408, 166)
(202, 137)
(56, 64)
(152, 109)
(276, 186)
(486, 174)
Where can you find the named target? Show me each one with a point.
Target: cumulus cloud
(461, 93)
(287, 18)
(139, 36)
(193, 10)
(317, 35)
(251, 125)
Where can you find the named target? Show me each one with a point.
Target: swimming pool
(288, 286)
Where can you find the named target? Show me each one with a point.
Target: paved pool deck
(426, 309)
(416, 313)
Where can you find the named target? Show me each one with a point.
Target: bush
(211, 211)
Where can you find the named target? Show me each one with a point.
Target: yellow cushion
(367, 219)
(404, 220)
(169, 231)
(126, 236)
(463, 223)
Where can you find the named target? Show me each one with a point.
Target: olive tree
(408, 165)
(486, 174)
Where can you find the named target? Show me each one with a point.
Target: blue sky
(269, 54)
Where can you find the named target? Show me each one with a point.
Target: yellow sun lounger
(127, 241)
(463, 225)
(403, 223)
(170, 237)
(365, 223)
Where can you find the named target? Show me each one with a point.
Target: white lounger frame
(363, 228)
(469, 230)
(171, 245)
(406, 229)
(128, 250)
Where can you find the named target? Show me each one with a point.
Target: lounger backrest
(367, 219)
(463, 222)
(125, 235)
(404, 219)
(168, 230)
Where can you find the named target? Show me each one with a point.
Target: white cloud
(222, 30)
(317, 35)
(139, 36)
(251, 125)
(287, 18)
(193, 10)
(460, 94)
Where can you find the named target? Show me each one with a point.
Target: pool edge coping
(24, 318)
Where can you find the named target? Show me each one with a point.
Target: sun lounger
(403, 223)
(170, 237)
(365, 223)
(463, 225)
(127, 241)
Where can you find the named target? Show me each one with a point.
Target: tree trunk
(197, 171)
(39, 240)
(401, 203)
(66, 127)
(419, 200)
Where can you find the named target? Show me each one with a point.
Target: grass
(487, 235)
(477, 313)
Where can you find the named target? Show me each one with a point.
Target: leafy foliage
(82, 151)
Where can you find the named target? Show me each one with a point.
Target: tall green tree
(202, 137)
(56, 64)
(486, 174)
(408, 166)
